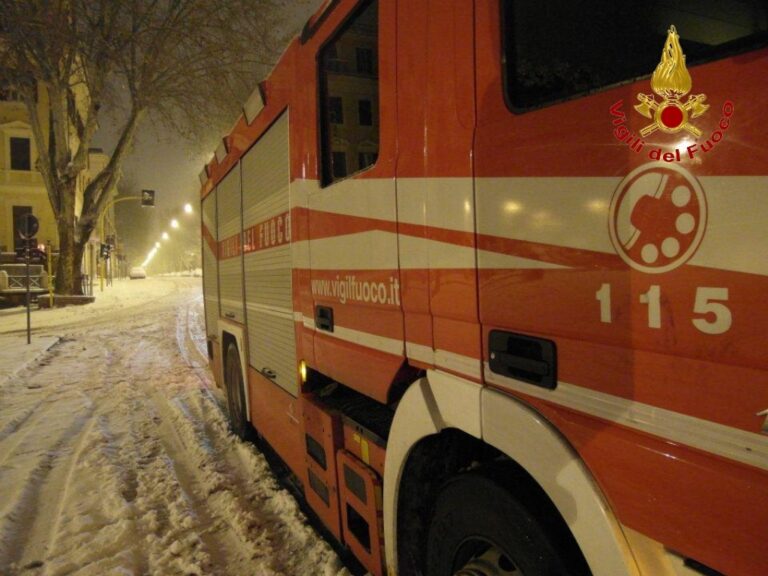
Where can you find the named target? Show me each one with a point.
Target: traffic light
(148, 198)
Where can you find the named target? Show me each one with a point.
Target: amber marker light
(303, 371)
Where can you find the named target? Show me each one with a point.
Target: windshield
(559, 49)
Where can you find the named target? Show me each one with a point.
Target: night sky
(170, 165)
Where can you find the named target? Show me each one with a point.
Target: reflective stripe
(567, 214)
(420, 353)
(445, 203)
(497, 261)
(465, 365)
(572, 214)
(374, 250)
(382, 343)
(731, 443)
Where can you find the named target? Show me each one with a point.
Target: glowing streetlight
(165, 236)
(149, 257)
(188, 208)
(157, 244)
(174, 223)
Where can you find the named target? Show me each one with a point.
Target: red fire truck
(490, 278)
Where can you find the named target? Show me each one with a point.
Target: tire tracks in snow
(123, 462)
(15, 392)
(30, 456)
(209, 481)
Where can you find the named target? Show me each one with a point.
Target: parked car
(137, 273)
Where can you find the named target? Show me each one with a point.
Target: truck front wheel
(479, 529)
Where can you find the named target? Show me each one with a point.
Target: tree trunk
(71, 244)
(69, 267)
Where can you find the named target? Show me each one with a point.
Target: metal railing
(20, 283)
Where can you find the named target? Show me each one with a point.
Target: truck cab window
(349, 73)
(560, 49)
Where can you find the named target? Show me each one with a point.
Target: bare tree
(185, 63)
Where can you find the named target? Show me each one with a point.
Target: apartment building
(22, 189)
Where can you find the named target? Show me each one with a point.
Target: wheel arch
(560, 472)
(462, 425)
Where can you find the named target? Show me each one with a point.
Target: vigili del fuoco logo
(672, 112)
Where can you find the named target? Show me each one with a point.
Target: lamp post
(109, 205)
(175, 262)
(147, 198)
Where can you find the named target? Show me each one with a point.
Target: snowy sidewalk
(16, 354)
(124, 295)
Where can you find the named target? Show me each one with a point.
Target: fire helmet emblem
(671, 81)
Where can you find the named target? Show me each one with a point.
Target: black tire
(233, 381)
(479, 527)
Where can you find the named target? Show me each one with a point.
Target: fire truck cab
(489, 277)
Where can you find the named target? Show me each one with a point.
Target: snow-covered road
(115, 457)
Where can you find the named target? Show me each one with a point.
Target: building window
(364, 60)
(339, 160)
(335, 110)
(333, 62)
(12, 91)
(364, 113)
(21, 154)
(8, 94)
(365, 159)
(357, 82)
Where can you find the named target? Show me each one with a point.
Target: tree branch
(96, 194)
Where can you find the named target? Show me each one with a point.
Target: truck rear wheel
(233, 380)
(480, 529)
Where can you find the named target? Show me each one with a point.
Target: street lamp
(188, 208)
(174, 223)
(149, 257)
(147, 198)
(165, 236)
(157, 244)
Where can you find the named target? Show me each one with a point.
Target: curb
(16, 354)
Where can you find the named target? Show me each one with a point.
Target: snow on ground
(15, 353)
(115, 456)
(122, 295)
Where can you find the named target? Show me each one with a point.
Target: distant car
(137, 273)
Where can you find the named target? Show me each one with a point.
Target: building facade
(22, 190)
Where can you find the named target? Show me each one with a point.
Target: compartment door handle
(514, 362)
(324, 318)
(526, 358)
